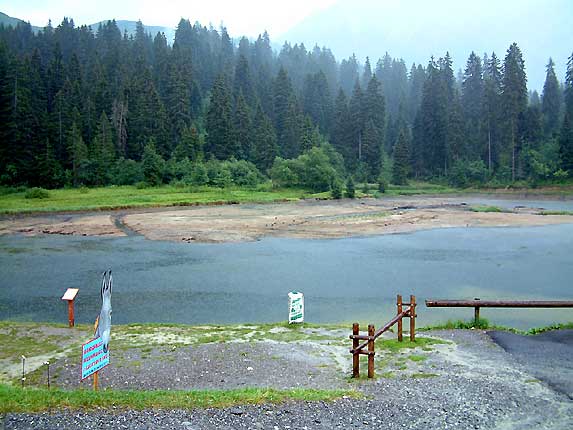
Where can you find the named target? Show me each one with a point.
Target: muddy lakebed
(246, 275)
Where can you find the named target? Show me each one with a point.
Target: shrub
(336, 190)
(37, 193)
(152, 165)
(350, 191)
(126, 172)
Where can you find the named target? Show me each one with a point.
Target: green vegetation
(131, 197)
(417, 358)
(485, 209)
(36, 193)
(460, 325)
(392, 345)
(422, 375)
(569, 213)
(15, 399)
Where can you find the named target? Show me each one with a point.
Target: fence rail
(358, 348)
(478, 303)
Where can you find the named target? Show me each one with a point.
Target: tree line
(85, 107)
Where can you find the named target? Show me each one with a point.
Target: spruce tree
(219, 122)
(491, 110)
(514, 102)
(472, 104)
(266, 147)
(401, 165)
(551, 101)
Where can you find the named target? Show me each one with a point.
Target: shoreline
(305, 219)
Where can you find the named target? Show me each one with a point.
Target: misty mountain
(123, 25)
(129, 27)
(417, 29)
(13, 22)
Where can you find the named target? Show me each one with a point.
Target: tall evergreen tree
(551, 101)
(492, 110)
(401, 165)
(219, 122)
(514, 101)
(266, 147)
(472, 104)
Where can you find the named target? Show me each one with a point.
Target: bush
(350, 191)
(336, 190)
(152, 165)
(316, 169)
(467, 173)
(382, 185)
(126, 172)
(37, 193)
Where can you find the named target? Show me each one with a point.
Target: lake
(343, 279)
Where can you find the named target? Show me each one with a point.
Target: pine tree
(219, 122)
(356, 126)
(514, 101)
(566, 135)
(551, 101)
(102, 151)
(491, 111)
(374, 112)
(152, 164)
(340, 136)
(78, 152)
(242, 130)
(243, 83)
(190, 145)
(472, 104)
(266, 147)
(401, 165)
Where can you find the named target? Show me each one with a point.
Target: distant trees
(83, 106)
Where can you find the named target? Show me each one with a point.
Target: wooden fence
(477, 304)
(358, 348)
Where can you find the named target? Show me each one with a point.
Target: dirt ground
(303, 219)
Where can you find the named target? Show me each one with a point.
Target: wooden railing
(477, 304)
(358, 348)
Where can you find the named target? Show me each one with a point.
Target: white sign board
(295, 307)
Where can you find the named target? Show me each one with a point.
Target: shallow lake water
(343, 279)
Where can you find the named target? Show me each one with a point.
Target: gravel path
(469, 382)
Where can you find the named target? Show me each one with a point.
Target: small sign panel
(70, 294)
(93, 357)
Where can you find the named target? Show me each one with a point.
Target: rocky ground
(452, 379)
(303, 219)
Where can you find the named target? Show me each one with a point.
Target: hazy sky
(244, 17)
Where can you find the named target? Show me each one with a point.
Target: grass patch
(417, 358)
(556, 213)
(15, 399)
(392, 345)
(482, 324)
(423, 375)
(485, 209)
(113, 197)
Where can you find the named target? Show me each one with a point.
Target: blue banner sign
(93, 357)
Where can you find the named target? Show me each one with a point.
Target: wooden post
(371, 351)
(476, 313)
(412, 318)
(355, 355)
(399, 311)
(71, 318)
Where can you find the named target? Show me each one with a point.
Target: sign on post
(70, 296)
(295, 307)
(93, 357)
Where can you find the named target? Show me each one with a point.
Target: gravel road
(468, 383)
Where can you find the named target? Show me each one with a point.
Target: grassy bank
(16, 399)
(79, 199)
(123, 197)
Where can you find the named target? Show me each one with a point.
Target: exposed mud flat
(304, 219)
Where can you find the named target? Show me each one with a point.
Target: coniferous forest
(97, 107)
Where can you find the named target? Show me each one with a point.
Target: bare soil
(304, 219)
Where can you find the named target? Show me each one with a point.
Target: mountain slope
(417, 29)
(12, 22)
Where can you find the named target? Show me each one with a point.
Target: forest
(95, 107)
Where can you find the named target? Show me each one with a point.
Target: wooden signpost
(69, 297)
